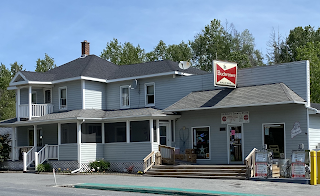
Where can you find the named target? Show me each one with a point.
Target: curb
(157, 190)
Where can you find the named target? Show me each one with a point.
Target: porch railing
(37, 110)
(154, 158)
(250, 162)
(28, 158)
(47, 152)
(167, 154)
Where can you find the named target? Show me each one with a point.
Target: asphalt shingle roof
(96, 67)
(244, 96)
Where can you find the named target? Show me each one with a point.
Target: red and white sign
(225, 74)
(235, 117)
(298, 170)
(261, 170)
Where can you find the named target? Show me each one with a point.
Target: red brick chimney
(85, 48)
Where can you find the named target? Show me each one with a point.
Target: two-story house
(90, 109)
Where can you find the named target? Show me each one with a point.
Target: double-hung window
(63, 98)
(124, 96)
(47, 96)
(150, 94)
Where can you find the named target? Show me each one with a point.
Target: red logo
(229, 74)
(224, 118)
(245, 117)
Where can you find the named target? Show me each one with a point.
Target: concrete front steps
(199, 171)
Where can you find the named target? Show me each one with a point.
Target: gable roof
(240, 97)
(95, 67)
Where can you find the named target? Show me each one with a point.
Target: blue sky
(29, 29)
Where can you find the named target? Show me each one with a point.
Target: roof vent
(85, 48)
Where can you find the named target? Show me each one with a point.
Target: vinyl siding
(314, 131)
(126, 151)
(74, 95)
(68, 152)
(24, 96)
(91, 152)
(155, 147)
(288, 114)
(95, 95)
(23, 136)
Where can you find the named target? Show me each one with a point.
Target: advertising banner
(234, 117)
(261, 170)
(298, 170)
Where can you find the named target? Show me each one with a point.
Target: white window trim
(36, 101)
(154, 94)
(122, 106)
(44, 95)
(192, 142)
(60, 88)
(284, 136)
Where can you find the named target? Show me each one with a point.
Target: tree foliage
(45, 64)
(216, 42)
(5, 147)
(301, 44)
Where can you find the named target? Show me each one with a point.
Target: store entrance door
(165, 134)
(235, 138)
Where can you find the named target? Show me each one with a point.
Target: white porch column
(18, 104)
(59, 139)
(59, 133)
(79, 141)
(103, 133)
(158, 130)
(128, 131)
(13, 143)
(151, 131)
(30, 102)
(35, 138)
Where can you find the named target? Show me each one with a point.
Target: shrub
(99, 165)
(5, 148)
(46, 167)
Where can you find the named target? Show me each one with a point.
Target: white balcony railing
(37, 110)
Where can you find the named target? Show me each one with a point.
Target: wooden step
(203, 177)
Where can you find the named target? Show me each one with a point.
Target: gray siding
(95, 95)
(168, 90)
(314, 131)
(24, 95)
(50, 134)
(68, 152)
(288, 114)
(126, 151)
(155, 147)
(91, 152)
(74, 95)
(294, 75)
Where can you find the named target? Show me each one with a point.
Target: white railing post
(24, 161)
(36, 160)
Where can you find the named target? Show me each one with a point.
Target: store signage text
(235, 117)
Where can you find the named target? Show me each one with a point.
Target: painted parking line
(158, 190)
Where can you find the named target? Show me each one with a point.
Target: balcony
(37, 110)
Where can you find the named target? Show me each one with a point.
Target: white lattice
(123, 166)
(12, 165)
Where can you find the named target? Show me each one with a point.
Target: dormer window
(63, 98)
(124, 96)
(150, 94)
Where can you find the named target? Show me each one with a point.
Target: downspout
(79, 147)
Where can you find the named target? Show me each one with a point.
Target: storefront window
(274, 139)
(201, 142)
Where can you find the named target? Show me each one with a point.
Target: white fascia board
(15, 77)
(93, 79)
(236, 106)
(39, 122)
(12, 88)
(18, 83)
(312, 110)
(134, 117)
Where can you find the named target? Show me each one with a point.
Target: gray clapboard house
(91, 109)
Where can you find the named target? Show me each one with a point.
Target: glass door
(165, 134)
(235, 143)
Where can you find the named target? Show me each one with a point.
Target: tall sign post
(225, 74)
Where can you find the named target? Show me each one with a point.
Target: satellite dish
(134, 84)
(184, 64)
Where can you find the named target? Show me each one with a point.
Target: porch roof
(269, 94)
(90, 114)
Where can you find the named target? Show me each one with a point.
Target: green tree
(7, 98)
(5, 148)
(224, 43)
(45, 64)
(122, 54)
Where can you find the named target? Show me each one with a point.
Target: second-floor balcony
(37, 110)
